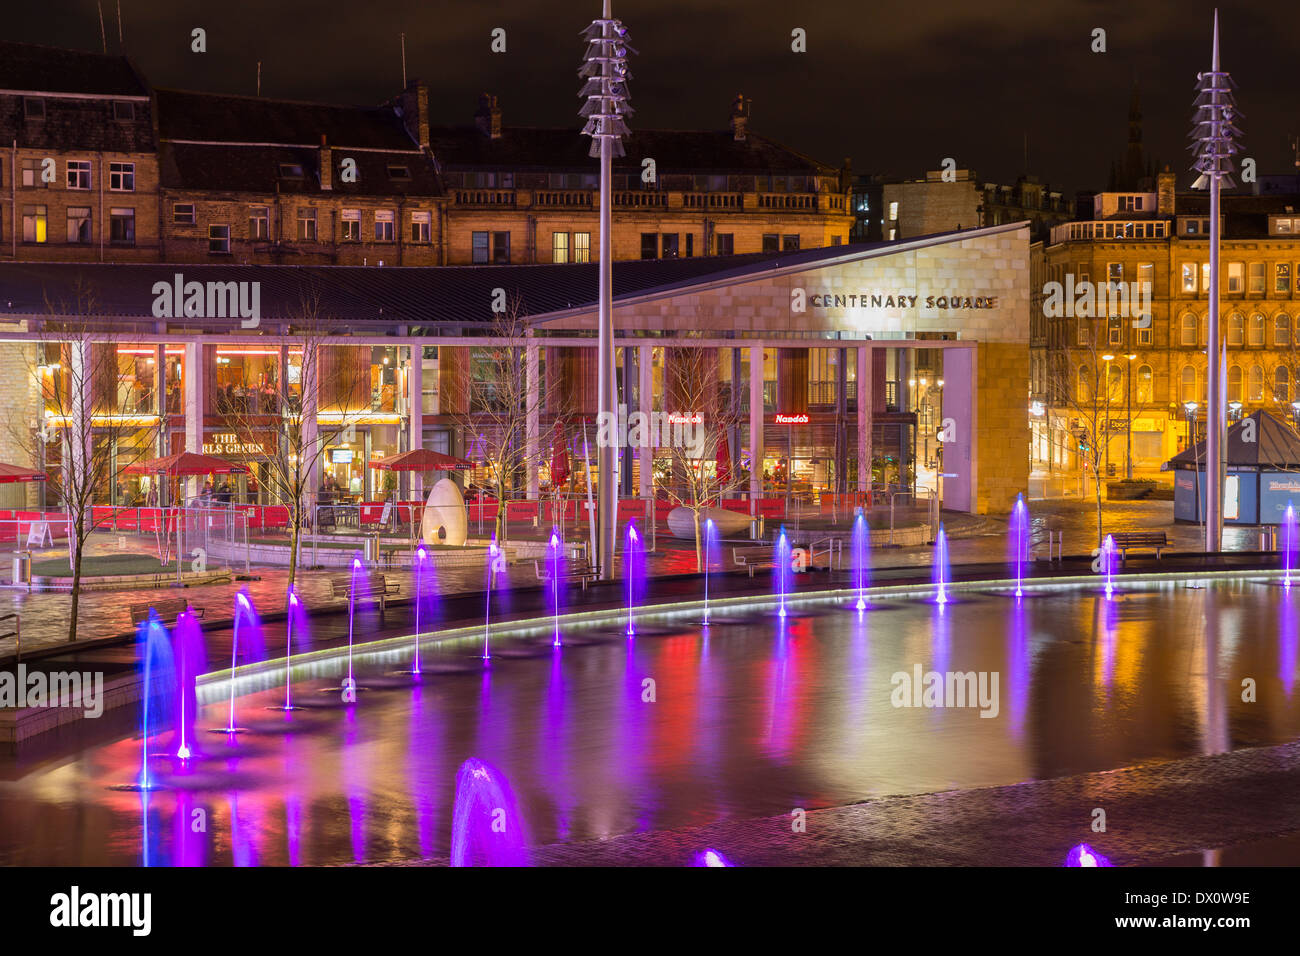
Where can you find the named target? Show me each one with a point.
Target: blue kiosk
(1263, 473)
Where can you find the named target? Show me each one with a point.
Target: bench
(373, 587)
(582, 573)
(754, 559)
(1126, 541)
(168, 611)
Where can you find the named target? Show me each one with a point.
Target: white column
(160, 401)
(755, 427)
(415, 413)
(193, 373)
(532, 412)
(80, 424)
(310, 429)
(866, 394)
(645, 404)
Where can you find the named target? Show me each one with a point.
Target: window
(1114, 272)
(1255, 384)
(32, 177)
(290, 171)
(1146, 274)
(1143, 388)
(1130, 203)
(121, 177)
(501, 248)
(259, 222)
(836, 240)
(79, 225)
(1144, 336)
(1115, 331)
(671, 245)
(1236, 274)
(78, 174)
(1282, 330)
(690, 244)
(582, 247)
(33, 108)
(726, 243)
(34, 224)
(383, 225)
(121, 226)
(1236, 329)
(123, 110)
(306, 224)
(1234, 383)
(1257, 331)
(1257, 278)
(183, 213)
(771, 242)
(893, 211)
(351, 221)
(399, 172)
(1084, 385)
(559, 247)
(1187, 337)
(1188, 392)
(1189, 277)
(1084, 336)
(218, 240)
(1282, 278)
(789, 243)
(1205, 277)
(649, 245)
(1281, 385)
(422, 226)
(479, 245)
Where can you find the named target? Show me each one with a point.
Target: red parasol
(724, 460)
(559, 458)
(186, 463)
(12, 473)
(420, 459)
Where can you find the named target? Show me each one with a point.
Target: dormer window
(399, 172)
(33, 108)
(290, 171)
(123, 110)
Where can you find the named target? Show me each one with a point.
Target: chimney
(739, 117)
(1166, 185)
(488, 117)
(326, 166)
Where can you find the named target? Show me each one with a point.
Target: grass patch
(98, 565)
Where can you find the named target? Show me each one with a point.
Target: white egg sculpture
(681, 522)
(445, 520)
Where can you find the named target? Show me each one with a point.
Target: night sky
(897, 85)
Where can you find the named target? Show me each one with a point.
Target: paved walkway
(973, 539)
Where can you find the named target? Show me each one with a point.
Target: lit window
(351, 222)
(582, 247)
(559, 247)
(34, 224)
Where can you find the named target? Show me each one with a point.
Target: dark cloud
(897, 85)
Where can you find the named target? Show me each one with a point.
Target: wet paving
(748, 720)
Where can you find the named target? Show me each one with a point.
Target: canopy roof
(420, 459)
(1275, 446)
(12, 473)
(186, 463)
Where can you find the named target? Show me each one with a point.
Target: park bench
(168, 611)
(373, 587)
(1126, 541)
(753, 559)
(581, 572)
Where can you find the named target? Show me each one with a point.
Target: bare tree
(96, 418)
(695, 424)
(315, 374)
(1077, 380)
(499, 396)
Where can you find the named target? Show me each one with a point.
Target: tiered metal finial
(1214, 132)
(605, 68)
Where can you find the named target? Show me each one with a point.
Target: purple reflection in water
(486, 826)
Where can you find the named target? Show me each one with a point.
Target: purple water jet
(634, 568)
(1084, 855)
(1018, 540)
(859, 557)
(781, 570)
(941, 566)
(556, 549)
(190, 660)
(710, 549)
(295, 618)
(486, 827)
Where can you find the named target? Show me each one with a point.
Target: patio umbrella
(559, 458)
(186, 463)
(420, 459)
(724, 460)
(12, 473)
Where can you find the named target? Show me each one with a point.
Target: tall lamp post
(604, 68)
(1213, 142)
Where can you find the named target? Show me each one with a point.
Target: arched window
(1188, 393)
(1257, 331)
(1234, 383)
(1282, 330)
(1236, 329)
(1085, 389)
(1255, 384)
(1144, 386)
(1188, 331)
(1282, 385)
